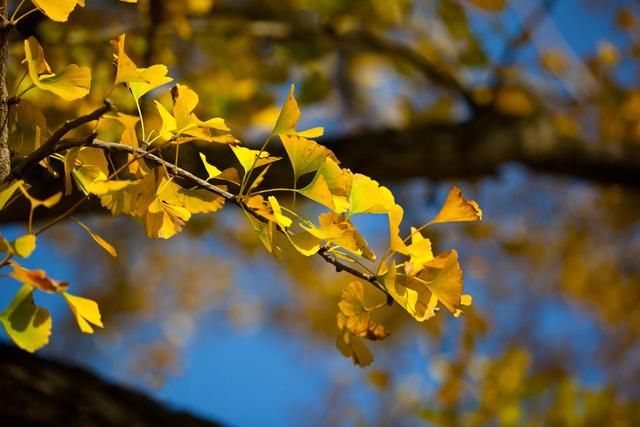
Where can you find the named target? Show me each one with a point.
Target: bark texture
(5, 163)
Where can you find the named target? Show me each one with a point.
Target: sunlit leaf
(289, 117)
(57, 10)
(23, 246)
(71, 83)
(37, 279)
(28, 325)
(7, 190)
(249, 158)
(305, 155)
(99, 240)
(352, 346)
(337, 229)
(367, 196)
(212, 171)
(85, 310)
(355, 316)
(456, 209)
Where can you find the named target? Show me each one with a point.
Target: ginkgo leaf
(184, 126)
(269, 209)
(355, 316)
(88, 167)
(280, 219)
(396, 243)
(85, 310)
(212, 171)
(37, 279)
(305, 155)
(23, 246)
(249, 158)
(73, 82)
(7, 190)
(139, 80)
(419, 250)
(338, 182)
(57, 10)
(99, 240)
(367, 196)
(419, 292)
(129, 135)
(456, 208)
(318, 191)
(352, 346)
(35, 202)
(289, 117)
(28, 325)
(444, 282)
(304, 242)
(154, 77)
(194, 200)
(337, 229)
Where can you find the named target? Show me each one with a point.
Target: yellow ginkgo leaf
(57, 10)
(319, 192)
(7, 190)
(337, 180)
(99, 240)
(355, 315)
(337, 229)
(184, 126)
(85, 310)
(396, 243)
(352, 346)
(304, 242)
(280, 219)
(28, 325)
(249, 158)
(24, 246)
(367, 196)
(138, 80)
(37, 279)
(212, 171)
(456, 209)
(71, 83)
(419, 251)
(444, 281)
(129, 135)
(88, 166)
(305, 155)
(288, 119)
(35, 202)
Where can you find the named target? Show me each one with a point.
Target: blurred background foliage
(532, 107)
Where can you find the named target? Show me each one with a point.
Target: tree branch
(201, 183)
(49, 146)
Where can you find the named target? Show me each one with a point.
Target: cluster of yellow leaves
(27, 324)
(163, 206)
(426, 280)
(418, 282)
